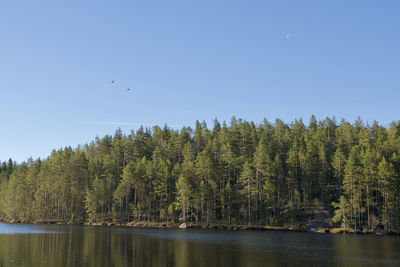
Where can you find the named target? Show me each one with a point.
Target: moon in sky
(287, 36)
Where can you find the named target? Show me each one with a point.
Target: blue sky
(188, 61)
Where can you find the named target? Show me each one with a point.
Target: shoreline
(171, 225)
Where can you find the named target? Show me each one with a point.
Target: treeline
(241, 173)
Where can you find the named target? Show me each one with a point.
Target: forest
(236, 173)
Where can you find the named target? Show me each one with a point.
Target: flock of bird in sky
(113, 82)
(287, 36)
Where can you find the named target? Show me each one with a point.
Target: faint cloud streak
(128, 123)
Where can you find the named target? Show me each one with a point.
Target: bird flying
(113, 81)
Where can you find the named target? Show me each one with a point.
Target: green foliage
(272, 173)
(342, 212)
(94, 200)
(183, 198)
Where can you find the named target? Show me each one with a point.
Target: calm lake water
(54, 245)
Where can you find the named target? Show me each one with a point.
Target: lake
(98, 246)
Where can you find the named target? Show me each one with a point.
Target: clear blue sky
(187, 61)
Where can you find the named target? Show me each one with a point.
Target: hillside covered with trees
(241, 173)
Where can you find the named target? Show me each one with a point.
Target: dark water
(41, 245)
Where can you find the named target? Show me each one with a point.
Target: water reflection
(367, 250)
(101, 246)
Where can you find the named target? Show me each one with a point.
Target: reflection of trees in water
(102, 246)
(98, 247)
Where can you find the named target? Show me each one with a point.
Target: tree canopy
(242, 173)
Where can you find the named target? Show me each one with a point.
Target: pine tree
(184, 192)
(385, 182)
(351, 186)
(246, 182)
(343, 212)
(94, 200)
